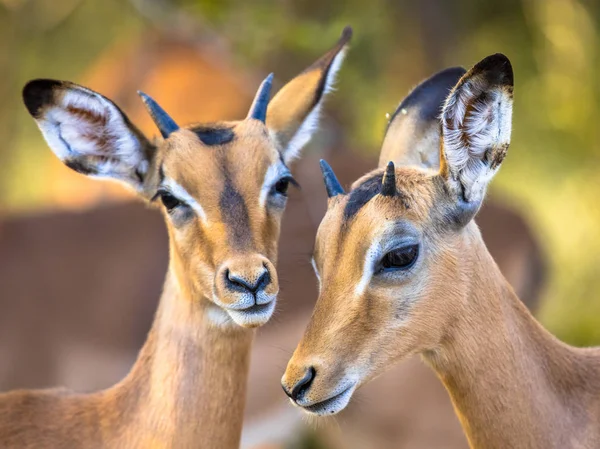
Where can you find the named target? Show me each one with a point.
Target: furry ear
(412, 136)
(88, 132)
(293, 114)
(476, 127)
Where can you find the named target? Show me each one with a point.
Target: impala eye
(400, 259)
(169, 201)
(281, 187)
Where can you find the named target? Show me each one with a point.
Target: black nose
(302, 385)
(243, 285)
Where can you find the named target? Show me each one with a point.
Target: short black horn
(388, 184)
(332, 184)
(165, 124)
(258, 110)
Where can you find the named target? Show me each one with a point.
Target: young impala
(223, 190)
(403, 270)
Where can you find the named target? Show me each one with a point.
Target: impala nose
(301, 386)
(244, 282)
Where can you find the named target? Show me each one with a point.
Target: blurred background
(81, 265)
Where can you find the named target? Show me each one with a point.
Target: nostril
(240, 283)
(263, 281)
(302, 385)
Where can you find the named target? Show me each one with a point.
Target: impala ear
(88, 132)
(293, 114)
(476, 127)
(412, 136)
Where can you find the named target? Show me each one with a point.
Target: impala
(403, 270)
(223, 189)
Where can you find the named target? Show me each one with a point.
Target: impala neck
(188, 386)
(511, 382)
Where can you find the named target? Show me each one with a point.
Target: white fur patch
(253, 317)
(338, 398)
(273, 174)
(371, 256)
(180, 193)
(102, 142)
(314, 265)
(218, 317)
(469, 134)
(311, 122)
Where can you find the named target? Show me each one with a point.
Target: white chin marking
(332, 405)
(218, 317)
(254, 316)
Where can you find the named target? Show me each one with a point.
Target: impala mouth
(253, 316)
(331, 406)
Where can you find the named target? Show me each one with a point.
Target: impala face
(233, 215)
(222, 186)
(389, 254)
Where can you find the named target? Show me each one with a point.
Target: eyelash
(169, 201)
(399, 259)
(284, 183)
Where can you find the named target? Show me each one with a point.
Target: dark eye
(282, 186)
(400, 259)
(169, 201)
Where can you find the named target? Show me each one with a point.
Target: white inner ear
(469, 134)
(311, 122)
(97, 136)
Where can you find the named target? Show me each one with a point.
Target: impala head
(391, 255)
(222, 186)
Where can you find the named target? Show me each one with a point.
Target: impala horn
(388, 183)
(258, 110)
(165, 124)
(332, 184)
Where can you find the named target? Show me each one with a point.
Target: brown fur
(511, 382)
(188, 385)
(173, 397)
